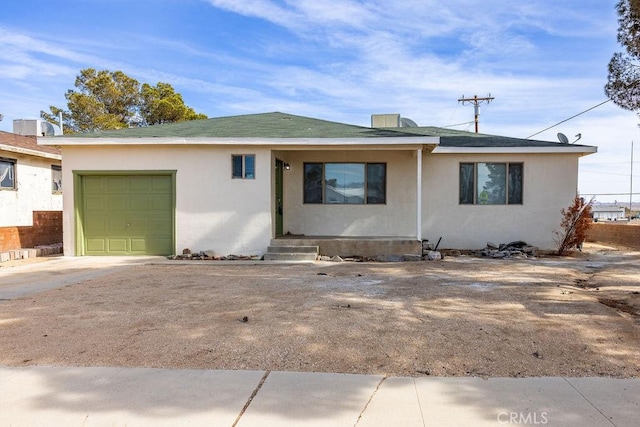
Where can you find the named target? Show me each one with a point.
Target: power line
(458, 124)
(566, 120)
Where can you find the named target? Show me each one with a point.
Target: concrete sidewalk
(54, 396)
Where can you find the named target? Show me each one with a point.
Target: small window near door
(243, 166)
(7, 174)
(56, 179)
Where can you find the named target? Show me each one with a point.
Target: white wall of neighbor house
(396, 218)
(34, 190)
(549, 185)
(213, 211)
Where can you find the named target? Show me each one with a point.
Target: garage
(126, 214)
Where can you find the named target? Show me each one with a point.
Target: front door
(278, 202)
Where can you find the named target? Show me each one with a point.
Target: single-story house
(30, 192)
(233, 184)
(610, 213)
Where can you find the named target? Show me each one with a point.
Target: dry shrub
(576, 221)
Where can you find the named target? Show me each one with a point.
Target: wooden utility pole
(476, 105)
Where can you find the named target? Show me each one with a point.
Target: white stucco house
(29, 179)
(233, 184)
(30, 193)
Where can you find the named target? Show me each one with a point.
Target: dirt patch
(460, 316)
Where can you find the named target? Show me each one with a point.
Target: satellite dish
(407, 123)
(563, 138)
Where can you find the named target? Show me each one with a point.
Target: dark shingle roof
(281, 125)
(267, 125)
(26, 142)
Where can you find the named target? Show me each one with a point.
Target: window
(56, 179)
(243, 166)
(7, 174)
(345, 183)
(491, 183)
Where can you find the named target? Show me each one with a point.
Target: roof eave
(307, 142)
(582, 149)
(29, 152)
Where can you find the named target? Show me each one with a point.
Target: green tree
(112, 100)
(623, 85)
(161, 104)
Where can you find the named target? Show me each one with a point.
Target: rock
(434, 255)
(186, 251)
(325, 258)
(492, 245)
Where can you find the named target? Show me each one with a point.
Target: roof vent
(35, 127)
(385, 120)
(391, 121)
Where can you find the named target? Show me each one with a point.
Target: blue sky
(342, 60)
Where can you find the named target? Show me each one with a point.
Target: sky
(343, 60)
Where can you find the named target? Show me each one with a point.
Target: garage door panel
(117, 245)
(96, 226)
(93, 184)
(96, 245)
(140, 204)
(117, 184)
(93, 203)
(128, 215)
(117, 203)
(139, 184)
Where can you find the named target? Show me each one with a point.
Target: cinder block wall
(619, 233)
(46, 230)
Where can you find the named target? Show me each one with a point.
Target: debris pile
(188, 255)
(517, 249)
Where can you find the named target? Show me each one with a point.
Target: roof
(27, 145)
(285, 128)
(266, 125)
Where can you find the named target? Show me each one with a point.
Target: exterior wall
(33, 193)
(46, 230)
(396, 218)
(549, 185)
(617, 233)
(213, 211)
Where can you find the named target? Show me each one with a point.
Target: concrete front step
(291, 253)
(290, 256)
(292, 249)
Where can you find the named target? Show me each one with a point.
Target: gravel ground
(462, 316)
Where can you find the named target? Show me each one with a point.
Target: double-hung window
(491, 183)
(243, 166)
(345, 183)
(7, 174)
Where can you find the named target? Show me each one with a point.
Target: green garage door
(127, 214)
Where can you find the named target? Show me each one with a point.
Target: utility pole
(476, 105)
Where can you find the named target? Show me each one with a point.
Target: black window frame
(13, 171)
(314, 183)
(513, 185)
(244, 173)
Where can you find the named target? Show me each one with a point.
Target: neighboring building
(233, 184)
(610, 213)
(30, 192)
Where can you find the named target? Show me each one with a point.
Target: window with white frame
(345, 183)
(56, 179)
(491, 183)
(7, 174)
(243, 166)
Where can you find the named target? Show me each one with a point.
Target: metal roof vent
(35, 127)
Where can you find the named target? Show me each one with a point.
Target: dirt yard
(462, 316)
